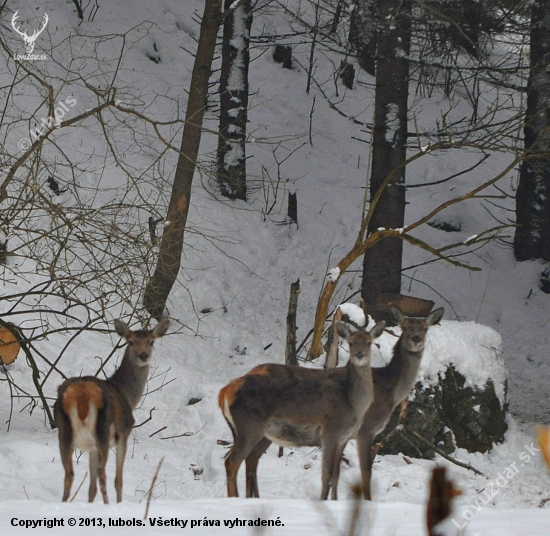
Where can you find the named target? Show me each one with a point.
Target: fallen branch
(440, 452)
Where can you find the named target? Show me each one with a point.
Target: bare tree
(171, 246)
(77, 244)
(449, 253)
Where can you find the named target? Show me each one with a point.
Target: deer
(392, 384)
(93, 414)
(29, 39)
(298, 406)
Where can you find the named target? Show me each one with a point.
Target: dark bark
(234, 101)
(171, 246)
(382, 262)
(532, 237)
(363, 34)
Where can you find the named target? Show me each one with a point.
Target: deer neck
(130, 380)
(361, 386)
(402, 370)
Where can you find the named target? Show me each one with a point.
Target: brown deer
(392, 384)
(93, 414)
(299, 406)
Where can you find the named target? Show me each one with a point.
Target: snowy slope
(230, 305)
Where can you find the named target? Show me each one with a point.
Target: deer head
(29, 39)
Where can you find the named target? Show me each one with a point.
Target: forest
(246, 175)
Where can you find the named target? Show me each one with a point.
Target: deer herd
(288, 405)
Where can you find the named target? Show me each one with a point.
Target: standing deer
(300, 407)
(392, 384)
(93, 414)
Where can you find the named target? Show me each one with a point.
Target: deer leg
(330, 448)
(245, 441)
(103, 453)
(336, 470)
(366, 454)
(66, 450)
(93, 475)
(252, 465)
(121, 447)
(102, 442)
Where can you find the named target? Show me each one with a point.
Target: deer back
(93, 414)
(294, 403)
(84, 403)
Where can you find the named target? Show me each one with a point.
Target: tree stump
(283, 54)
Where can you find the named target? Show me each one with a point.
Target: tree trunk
(234, 101)
(363, 34)
(171, 246)
(382, 262)
(532, 237)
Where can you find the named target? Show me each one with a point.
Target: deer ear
(435, 316)
(122, 328)
(161, 328)
(378, 329)
(342, 330)
(397, 316)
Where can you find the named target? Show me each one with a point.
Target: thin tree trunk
(382, 263)
(532, 237)
(171, 246)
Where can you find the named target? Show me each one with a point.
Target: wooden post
(290, 354)
(292, 208)
(332, 355)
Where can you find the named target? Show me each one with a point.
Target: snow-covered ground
(229, 313)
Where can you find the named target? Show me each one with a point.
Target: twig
(79, 486)
(185, 434)
(147, 420)
(4, 368)
(35, 371)
(159, 430)
(150, 492)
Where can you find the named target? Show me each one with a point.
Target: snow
(235, 82)
(334, 274)
(296, 517)
(230, 303)
(354, 313)
(392, 123)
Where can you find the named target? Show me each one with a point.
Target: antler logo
(29, 39)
